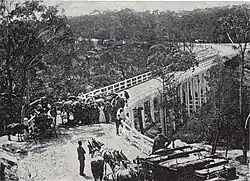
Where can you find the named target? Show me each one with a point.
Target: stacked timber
(219, 171)
(185, 163)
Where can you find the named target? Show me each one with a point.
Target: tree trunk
(218, 132)
(216, 141)
(10, 84)
(228, 141)
(245, 147)
(245, 135)
(25, 87)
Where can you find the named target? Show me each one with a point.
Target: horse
(44, 127)
(108, 158)
(97, 161)
(94, 145)
(16, 128)
(120, 157)
(97, 165)
(123, 172)
(104, 156)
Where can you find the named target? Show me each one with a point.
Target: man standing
(118, 123)
(107, 111)
(81, 157)
(160, 141)
(126, 96)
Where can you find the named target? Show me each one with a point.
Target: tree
(236, 27)
(222, 103)
(217, 121)
(31, 37)
(164, 61)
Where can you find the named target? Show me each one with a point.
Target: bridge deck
(143, 90)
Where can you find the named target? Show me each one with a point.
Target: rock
(22, 151)
(2, 170)
(14, 149)
(7, 158)
(8, 169)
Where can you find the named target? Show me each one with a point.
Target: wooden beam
(217, 164)
(174, 155)
(164, 151)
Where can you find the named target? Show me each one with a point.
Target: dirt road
(56, 160)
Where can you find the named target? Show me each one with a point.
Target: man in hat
(81, 157)
(160, 141)
(126, 95)
(118, 123)
(107, 111)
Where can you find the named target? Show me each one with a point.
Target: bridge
(145, 90)
(57, 159)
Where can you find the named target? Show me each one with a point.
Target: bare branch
(247, 67)
(244, 11)
(33, 60)
(230, 39)
(42, 33)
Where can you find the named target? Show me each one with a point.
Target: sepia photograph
(97, 90)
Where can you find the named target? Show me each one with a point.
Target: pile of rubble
(186, 163)
(8, 161)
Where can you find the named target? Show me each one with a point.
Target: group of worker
(160, 142)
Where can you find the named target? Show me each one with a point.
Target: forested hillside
(152, 27)
(43, 52)
(123, 39)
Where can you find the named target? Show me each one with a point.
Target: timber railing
(128, 83)
(137, 139)
(120, 86)
(131, 82)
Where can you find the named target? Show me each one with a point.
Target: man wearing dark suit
(160, 141)
(81, 157)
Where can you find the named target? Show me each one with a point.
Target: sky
(83, 7)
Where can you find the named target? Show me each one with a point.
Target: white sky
(82, 7)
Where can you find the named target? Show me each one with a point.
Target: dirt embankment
(56, 159)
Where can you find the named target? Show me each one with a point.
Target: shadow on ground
(65, 135)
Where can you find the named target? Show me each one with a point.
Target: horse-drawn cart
(184, 164)
(44, 127)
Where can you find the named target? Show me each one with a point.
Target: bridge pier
(163, 125)
(132, 118)
(199, 89)
(187, 97)
(152, 109)
(192, 92)
(143, 115)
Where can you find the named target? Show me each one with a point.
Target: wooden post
(132, 117)
(181, 93)
(143, 115)
(199, 89)
(139, 112)
(173, 125)
(188, 101)
(204, 87)
(125, 84)
(162, 115)
(166, 121)
(152, 109)
(194, 91)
